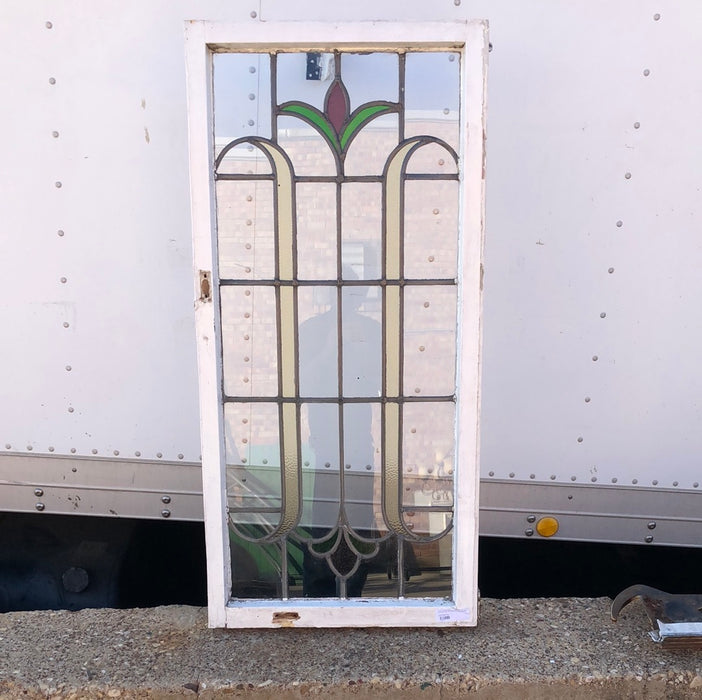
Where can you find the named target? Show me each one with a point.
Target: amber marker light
(547, 527)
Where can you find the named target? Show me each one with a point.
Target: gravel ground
(535, 648)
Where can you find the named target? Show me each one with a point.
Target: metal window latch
(676, 620)
(205, 285)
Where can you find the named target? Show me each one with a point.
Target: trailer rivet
(68, 368)
(165, 499)
(66, 324)
(137, 454)
(446, 110)
(8, 446)
(532, 476)
(610, 270)
(327, 465)
(573, 478)
(452, 57)
(252, 69)
(250, 122)
(247, 293)
(651, 525)
(73, 451)
(71, 409)
(656, 17)
(595, 358)
(580, 439)
(52, 81)
(30, 448)
(245, 440)
(614, 479)
(159, 455)
(94, 451)
(511, 475)
(457, 2)
(253, 14)
(675, 483)
(181, 455)
(60, 233)
(627, 176)
(38, 492)
(648, 539)
(655, 482)
(417, 390)
(430, 258)
(48, 25)
(620, 224)
(55, 134)
(695, 485)
(166, 513)
(552, 477)
(587, 399)
(634, 481)
(116, 453)
(637, 125)
(40, 506)
(531, 518)
(252, 96)
(593, 479)
(529, 532)
(603, 315)
(647, 72)
(63, 280)
(51, 449)
(58, 184)
(426, 304)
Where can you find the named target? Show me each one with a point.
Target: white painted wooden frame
(470, 39)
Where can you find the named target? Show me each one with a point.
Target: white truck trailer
(591, 383)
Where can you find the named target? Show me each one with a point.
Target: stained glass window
(337, 214)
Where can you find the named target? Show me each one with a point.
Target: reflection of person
(319, 378)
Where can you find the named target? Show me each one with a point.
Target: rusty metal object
(676, 619)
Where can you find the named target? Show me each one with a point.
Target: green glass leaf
(361, 118)
(316, 118)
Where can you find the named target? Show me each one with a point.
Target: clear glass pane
(316, 231)
(361, 225)
(242, 96)
(293, 84)
(246, 229)
(428, 451)
(309, 152)
(431, 229)
(249, 341)
(429, 340)
(361, 342)
(369, 149)
(432, 94)
(370, 76)
(318, 343)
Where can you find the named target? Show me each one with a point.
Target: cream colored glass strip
(393, 185)
(290, 429)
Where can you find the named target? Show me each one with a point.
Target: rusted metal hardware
(676, 619)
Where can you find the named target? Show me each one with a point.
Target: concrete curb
(528, 648)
